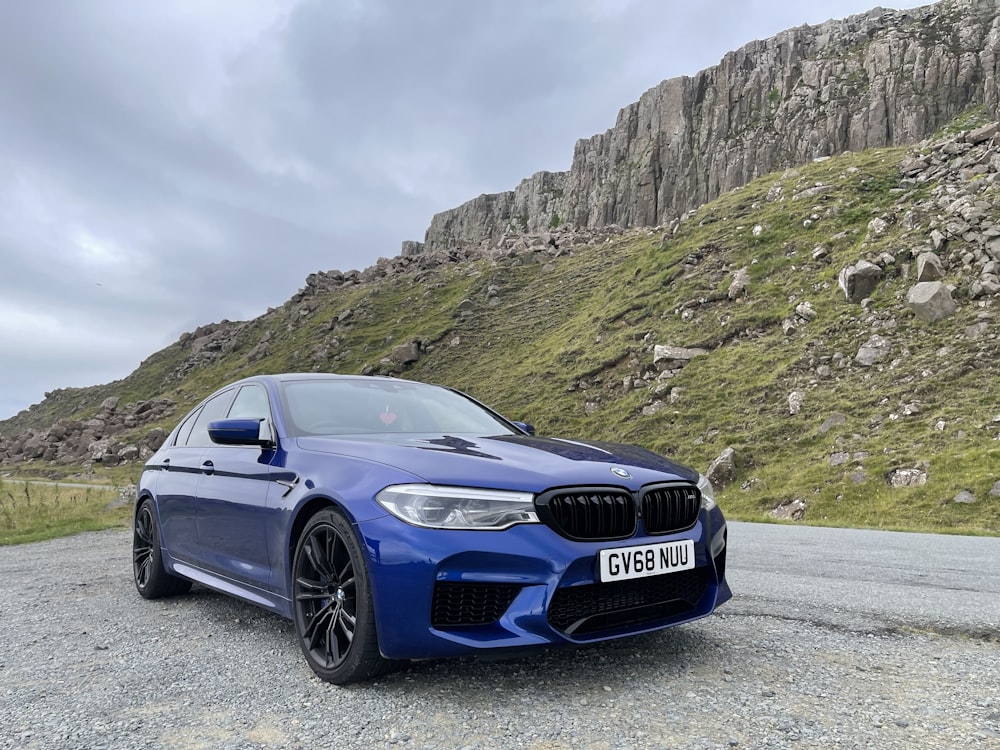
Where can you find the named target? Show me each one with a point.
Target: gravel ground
(86, 663)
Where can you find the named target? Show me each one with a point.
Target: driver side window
(213, 410)
(250, 403)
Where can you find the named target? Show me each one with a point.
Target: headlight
(457, 507)
(707, 492)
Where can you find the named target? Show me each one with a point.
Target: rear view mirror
(240, 432)
(525, 427)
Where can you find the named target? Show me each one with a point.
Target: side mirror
(241, 432)
(525, 427)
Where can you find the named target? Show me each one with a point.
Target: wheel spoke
(346, 574)
(317, 556)
(304, 597)
(309, 584)
(348, 624)
(144, 527)
(315, 624)
(333, 652)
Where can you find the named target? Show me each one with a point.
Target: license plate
(623, 563)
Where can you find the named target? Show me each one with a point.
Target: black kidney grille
(670, 508)
(456, 604)
(577, 610)
(589, 512)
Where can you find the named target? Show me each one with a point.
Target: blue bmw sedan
(394, 520)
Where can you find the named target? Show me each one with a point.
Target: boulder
(109, 404)
(674, 357)
(931, 301)
(980, 135)
(929, 267)
(405, 354)
(859, 280)
(722, 470)
(739, 284)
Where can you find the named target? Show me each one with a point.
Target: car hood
(514, 462)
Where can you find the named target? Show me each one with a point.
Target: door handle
(208, 467)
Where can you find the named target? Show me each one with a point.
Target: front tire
(332, 602)
(152, 580)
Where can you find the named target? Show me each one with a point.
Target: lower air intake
(579, 610)
(458, 604)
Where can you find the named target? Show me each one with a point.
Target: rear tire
(332, 602)
(152, 580)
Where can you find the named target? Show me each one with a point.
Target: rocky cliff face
(877, 79)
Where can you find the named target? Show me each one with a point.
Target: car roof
(289, 376)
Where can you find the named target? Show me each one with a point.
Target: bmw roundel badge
(619, 472)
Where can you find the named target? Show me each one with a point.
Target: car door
(232, 499)
(177, 482)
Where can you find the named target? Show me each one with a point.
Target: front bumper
(441, 593)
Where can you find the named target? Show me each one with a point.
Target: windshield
(349, 406)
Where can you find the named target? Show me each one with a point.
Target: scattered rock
(906, 477)
(805, 311)
(790, 510)
(875, 350)
(795, 400)
(877, 227)
(650, 409)
(834, 420)
(964, 497)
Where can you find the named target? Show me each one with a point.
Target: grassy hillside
(567, 344)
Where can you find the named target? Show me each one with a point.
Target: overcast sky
(169, 164)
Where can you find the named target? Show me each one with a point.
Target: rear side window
(213, 410)
(184, 431)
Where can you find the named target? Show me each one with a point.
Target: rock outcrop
(110, 437)
(875, 79)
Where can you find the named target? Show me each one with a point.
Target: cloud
(165, 165)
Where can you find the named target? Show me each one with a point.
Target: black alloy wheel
(333, 608)
(152, 581)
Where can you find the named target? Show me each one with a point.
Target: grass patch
(32, 512)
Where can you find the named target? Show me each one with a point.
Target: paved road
(867, 579)
(835, 640)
